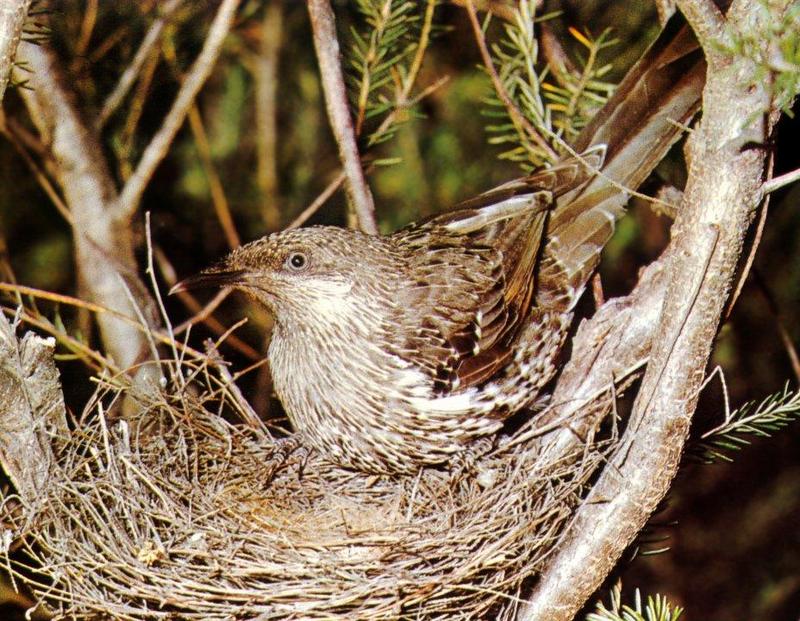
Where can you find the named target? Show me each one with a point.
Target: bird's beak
(212, 277)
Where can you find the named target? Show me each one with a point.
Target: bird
(392, 353)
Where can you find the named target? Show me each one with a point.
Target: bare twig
(130, 74)
(327, 47)
(776, 183)
(156, 150)
(12, 19)
(265, 76)
(519, 120)
(318, 202)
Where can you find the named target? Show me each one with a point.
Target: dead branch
(32, 410)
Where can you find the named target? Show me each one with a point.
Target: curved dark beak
(212, 277)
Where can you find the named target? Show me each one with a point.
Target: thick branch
(157, 149)
(708, 23)
(104, 251)
(722, 194)
(12, 19)
(31, 410)
(326, 44)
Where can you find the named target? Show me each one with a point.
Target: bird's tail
(644, 117)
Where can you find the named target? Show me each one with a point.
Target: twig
(326, 44)
(318, 202)
(786, 339)
(249, 416)
(783, 180)
(516, 116)
(265, 76)
(43, 180)
(156, 150)
(201, 314)
(130, 74)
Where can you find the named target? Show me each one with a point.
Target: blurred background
(733, 530)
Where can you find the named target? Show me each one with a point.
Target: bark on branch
(326, 44)
(12, 19)
(727, 168)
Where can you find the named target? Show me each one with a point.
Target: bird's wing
(474, 276)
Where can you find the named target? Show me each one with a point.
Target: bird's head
(304, 275)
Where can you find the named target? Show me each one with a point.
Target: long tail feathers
(638, 125)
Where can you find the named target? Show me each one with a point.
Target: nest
(178, 513)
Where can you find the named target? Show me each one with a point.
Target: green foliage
(772, 414)
(557, 103)
(385, 58)
(778, 63)
(656, 609)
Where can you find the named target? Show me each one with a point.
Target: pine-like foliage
(558, 102)
(772, 414)
(385, 58)
(657, 608)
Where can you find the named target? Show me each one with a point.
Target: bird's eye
(297, 261)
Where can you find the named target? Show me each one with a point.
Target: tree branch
(323, 25)
(12, 19)
(156, 150)
(708, 24)
(104, 251)
(130, 74)
(721, 198)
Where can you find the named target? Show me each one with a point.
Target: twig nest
(179, 514)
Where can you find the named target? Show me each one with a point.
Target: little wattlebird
(393, 352)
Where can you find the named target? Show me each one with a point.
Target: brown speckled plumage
(394, 352)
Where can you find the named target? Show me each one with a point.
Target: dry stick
(318, 202)
(41, 178)
(12, 19)
(519, 120)
(783, 180)
(786, 338)
(156, 150)
(326, 44)
(265, 77)
(87, 27)
(721, 197)
(130, 74)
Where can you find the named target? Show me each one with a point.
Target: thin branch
(776, 183)
(326, 44)
(319, 201)
(265, 76)
(130, 74)
(516, 116)
(157, 149)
